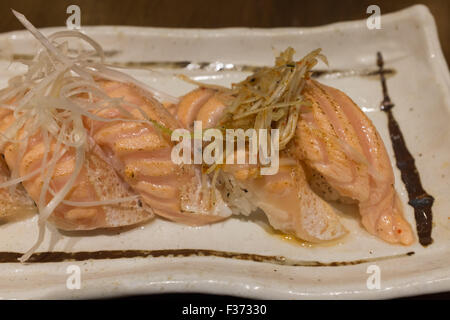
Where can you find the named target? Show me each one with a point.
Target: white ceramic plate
(421, 91)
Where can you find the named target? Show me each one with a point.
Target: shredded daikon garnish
(272, 96)
(50, 101)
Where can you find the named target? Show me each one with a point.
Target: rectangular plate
(226, 264)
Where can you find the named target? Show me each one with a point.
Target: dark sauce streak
(419, 199)
(343, 73)
(219, 67)
(46, 257)
(222, 66)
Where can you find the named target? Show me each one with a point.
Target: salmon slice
(190, 105)
(141, 153)
(286, 198)
(96, 182)
(338, 141)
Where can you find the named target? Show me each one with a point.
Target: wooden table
(213, 13)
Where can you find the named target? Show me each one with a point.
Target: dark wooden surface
(215, 14)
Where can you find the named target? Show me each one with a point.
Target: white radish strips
(50, 102)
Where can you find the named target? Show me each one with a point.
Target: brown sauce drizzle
(419, 199)
(46, 257)
(219, 67)
(222, 66)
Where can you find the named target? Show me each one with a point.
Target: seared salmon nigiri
(141, 152)
(336, 139)
(46, 165)
(323, 134)
(285, 197)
